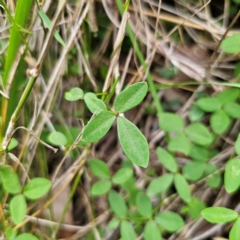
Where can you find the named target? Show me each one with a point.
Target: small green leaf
(232, 175)
(18, 208)
(170, 221)
(10, 180)
(133, 142)
(130, 97)
(215, 180)
(127, 231)
(10, 233)
(230, 44)
(219, 122)
(13, 143)
(209, 104)
(48, 24)
(199, 134)
(195, 206)
(57, 139)
(160, 184)
(182, 187)
(171, 122)
(237, 145)
(36, 188)
(151, 231)
(193, 170)
(232, 109)
(113, 224)
(229, 95)
(99, 168)
(195, 113)
(235, 231)
(94, 104)
(122, 175)
(198, 153)
(144, 205)
(100, 188)
(167, 160)
(117, 204)
(219, 214)
(74, 94)
(26, 236)
(179, 144)
(98, 126)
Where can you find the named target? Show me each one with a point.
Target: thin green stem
(15, 115)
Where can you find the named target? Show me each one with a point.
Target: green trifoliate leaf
(219, 214)
(98, 126)
(160, 184)
(230, 44)
(130, 97)
(57, 139)
(182, 187)
(179, 144)
(171, 122)
(122, 175)
(26, 236)
(127, 231)
(18, 208)
(229, 95)
(232, 109)
(74, 94)
(193, 170)
(235, 231)
(167, 160)
(99, 168)
(232, 175)
(237, 145)
(209, 104)
(117, 204)
(133, 142)
(199, 134)
(219, 122)
(100, 188)
(94, 104)
(170, 221)
(144, 205)
(151, 231)
(10, 180)
(36, 188)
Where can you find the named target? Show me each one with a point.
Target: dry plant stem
(175, 28)
(212, 59)
(86, 65)
(65, 156)
(67, 181)
(54, 78)
(92, 17)
(84, 230)
(124, 73)
(33, 73)
(116, 51)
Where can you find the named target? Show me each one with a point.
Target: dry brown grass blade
(116, 52)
